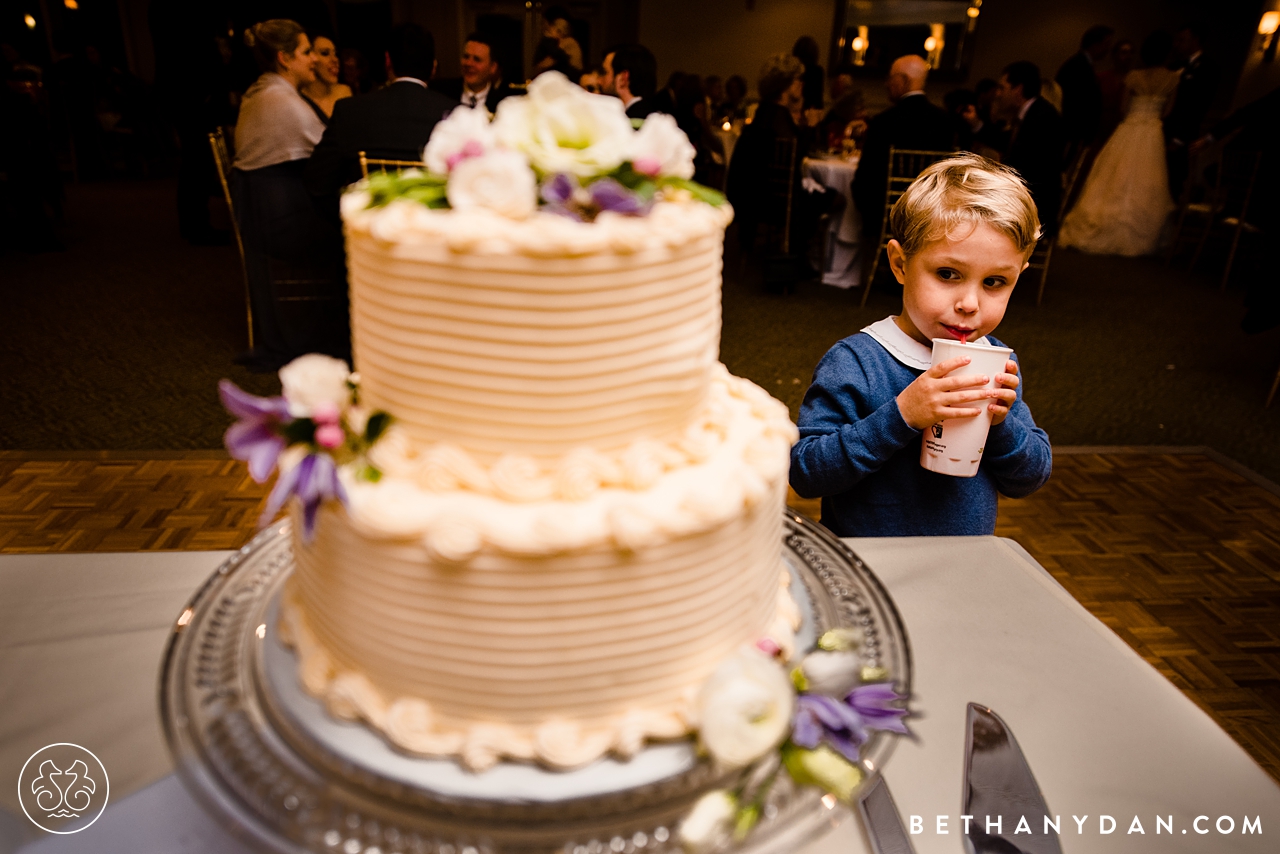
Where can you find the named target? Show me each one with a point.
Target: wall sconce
(30, 21)
(1267, 29)
(933, 44)
(859, 45)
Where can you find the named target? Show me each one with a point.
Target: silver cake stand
(272, 766)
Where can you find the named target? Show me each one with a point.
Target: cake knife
(1000, 791)
(883, 823)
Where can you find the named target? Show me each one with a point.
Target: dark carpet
(118, 342)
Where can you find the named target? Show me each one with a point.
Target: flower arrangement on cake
(559, 150)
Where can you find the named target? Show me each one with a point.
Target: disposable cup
(954, 446)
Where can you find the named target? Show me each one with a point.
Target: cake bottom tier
(558, 656)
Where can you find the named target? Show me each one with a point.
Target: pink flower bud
(768, 646)
(650, 166)
(471, 148)
(325, 413)
(330, 436)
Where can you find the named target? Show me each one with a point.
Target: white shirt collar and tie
(475, 99)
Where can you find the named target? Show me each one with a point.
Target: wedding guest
(481, 83)
(985, 91)
(590, 80)
(806, 50)
(1191, 103)
(327, 89)
(1111, 81)
(664, 100)
(735, 98)
(392, 123)
(630, 73)
(693, 118)
(713, 87)
(962, 234)
(1081, 92)
(1258, 123)
(355, 71)
(753, 174)
(549, 56)
(848, 113)
(274, 136)
(912, 122)
(1034, 143)
(556, 26)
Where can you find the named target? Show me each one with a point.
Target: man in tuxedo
(1034, 142)
(393, 123)
(630, 73)
(481, 83)
(1081, 92)
(912, 122)
(1196, 88)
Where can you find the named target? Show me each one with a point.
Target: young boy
(963, 233)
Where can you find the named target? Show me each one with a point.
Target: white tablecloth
(842, 265)
(81, 635)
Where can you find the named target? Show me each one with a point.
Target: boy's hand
(934, 396)
(1004, 392)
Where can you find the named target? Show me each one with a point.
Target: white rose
(462, 134)
(564, 128)
(661, 148)
(831, 673)
(315, 381)
(744, 709)
(709, 822)
(500, 181)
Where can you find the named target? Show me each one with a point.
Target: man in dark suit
(1081, 92)
(393, 123)
(1033, 145)
(481, 82)
(912, 122)
(1196, 89)
(630, 73)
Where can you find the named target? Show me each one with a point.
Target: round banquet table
(842, 264)
(81, 637)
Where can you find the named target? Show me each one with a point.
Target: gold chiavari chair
(905, 165)
(222, 160)
(382, 165)
(1203, 197)
(1043, 253)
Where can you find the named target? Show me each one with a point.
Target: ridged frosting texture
(538, 337)
(460, 622)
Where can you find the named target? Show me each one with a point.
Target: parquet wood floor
(1178, 553)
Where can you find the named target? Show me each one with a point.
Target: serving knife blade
(882, 821)
(1000, 791)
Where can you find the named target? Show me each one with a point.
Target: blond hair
(268, 38)
(965, 190)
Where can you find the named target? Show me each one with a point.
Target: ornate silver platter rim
(245, 765)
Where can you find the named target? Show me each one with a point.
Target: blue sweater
(857, 453)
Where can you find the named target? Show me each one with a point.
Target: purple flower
(559, 188)
(820, 719)
(844, 725)
(609, 195)
(313, 481)
(872, 703)
(254, 438)
(566, 197)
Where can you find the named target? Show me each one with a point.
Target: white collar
(906, 95)
(1022, 113)
(901, 346)
(626, 105)
(410, 80)
(480, 96)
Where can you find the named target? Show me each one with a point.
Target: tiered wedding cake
(575, 514)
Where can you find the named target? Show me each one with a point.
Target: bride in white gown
(1126, 201)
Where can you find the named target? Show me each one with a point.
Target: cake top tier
(556, 158)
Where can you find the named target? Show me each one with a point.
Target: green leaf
(747, 818)
(700, 192)
(370, 474)
(378, 423)
(299, 430)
